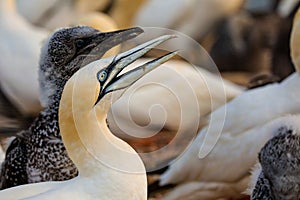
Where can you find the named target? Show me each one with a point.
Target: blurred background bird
(234, 145)
(21, 43)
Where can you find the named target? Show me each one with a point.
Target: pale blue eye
(102, 76)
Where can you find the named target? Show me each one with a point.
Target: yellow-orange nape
(109, 168)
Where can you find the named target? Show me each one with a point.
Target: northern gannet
(38, 154)
(191, 17)
(225, 150)
(202, 82)
(276, 176)
(56, 14)
(20, 48)
(108, 167)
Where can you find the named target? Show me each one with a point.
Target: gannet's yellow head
(83, 124)
(108, 78)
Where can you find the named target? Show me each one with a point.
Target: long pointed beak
(132, 76)
(104, 41)
(114, 82)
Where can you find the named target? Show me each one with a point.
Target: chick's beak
(114, 82)
(104, 41)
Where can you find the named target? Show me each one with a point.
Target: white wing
(236, 139)
(175, 95)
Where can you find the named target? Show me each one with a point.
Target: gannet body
(108, 167)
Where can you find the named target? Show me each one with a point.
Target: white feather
(19, 50)
(227, 148)
(174, 96)
(108, 167)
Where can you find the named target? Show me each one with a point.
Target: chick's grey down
(279, 178)
(38, 154)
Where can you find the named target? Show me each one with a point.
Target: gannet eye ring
(102, 76)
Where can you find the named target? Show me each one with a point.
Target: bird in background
(54, 14)
(20, 49)
(193, 18)
(24, 40)
(206, 91)
(211, 92)
(276, 176)
(233, 137)
(114, 169)
(38, 154)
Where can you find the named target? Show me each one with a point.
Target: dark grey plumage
(38, 154)
(280, 167)
(262, 189)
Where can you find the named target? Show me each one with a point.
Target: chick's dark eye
(79, 43)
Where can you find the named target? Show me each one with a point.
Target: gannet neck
(7, 7)
(89, 142)
(295, 42)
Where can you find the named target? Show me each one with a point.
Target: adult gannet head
(93, 92)
(108, 167)
(69, 49)
(108, 77)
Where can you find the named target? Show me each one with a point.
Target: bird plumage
(210, 83)
(239, 129)
(38, 154)
(233, 132)
(108, 167)
(192, 18)
(278, 171)
(180, 112)
(18, 76)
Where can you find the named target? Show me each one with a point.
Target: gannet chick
(108, 167)
(38, 154)
(279, 171)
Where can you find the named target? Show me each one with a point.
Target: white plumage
(108, 167)
(53, 14)
(175, 96)
(19, 50)
(191, 17)
(228, 146)
(22, 83)
(285, 7)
